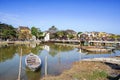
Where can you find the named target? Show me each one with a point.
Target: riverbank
(92, 69)
(18, 42)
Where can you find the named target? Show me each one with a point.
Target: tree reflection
(7, 52)
(26, 49)
(54, 49)
(33, 75)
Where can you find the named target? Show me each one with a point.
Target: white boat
(32, 61)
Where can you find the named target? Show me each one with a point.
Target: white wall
(47, 37)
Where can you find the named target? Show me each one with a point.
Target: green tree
(114, 37)
(36, 32)
(70, 36)
(78, 34)
(7, 31)
(53, 29)
(60, 34)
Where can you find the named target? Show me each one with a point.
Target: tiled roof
(23, 27)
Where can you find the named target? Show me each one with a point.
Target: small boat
(32, 61)
(98, 50)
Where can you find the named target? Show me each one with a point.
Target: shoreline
(91, 69)
(112, 60)
(18, 42)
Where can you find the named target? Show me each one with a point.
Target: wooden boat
(98, 50)
(32, 61)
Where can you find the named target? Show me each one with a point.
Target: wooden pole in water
(46, 66)
(20, 65)
(80, 55)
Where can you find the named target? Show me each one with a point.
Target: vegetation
(52, 30)
(36, 32)
(24, 36)
(95, 75)
(84, 71)
(7, 32)
(114, 37)
(70, 36)
(61, 34)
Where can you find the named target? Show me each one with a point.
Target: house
(46, 36)
(24, 29)
(24, 33)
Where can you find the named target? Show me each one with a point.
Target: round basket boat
(32, 61)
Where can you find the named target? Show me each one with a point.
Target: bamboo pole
(46, 66)
(20, 65)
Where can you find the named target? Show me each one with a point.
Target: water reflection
(57, 59)
(60, 58)
(85, 54)
(32, 75)
(7, 52)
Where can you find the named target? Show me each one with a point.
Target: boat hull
(32, 61)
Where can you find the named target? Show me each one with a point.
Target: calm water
(59, 59)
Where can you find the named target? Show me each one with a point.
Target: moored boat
(32, 61)
(98, 50)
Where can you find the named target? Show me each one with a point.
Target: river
(60, 58)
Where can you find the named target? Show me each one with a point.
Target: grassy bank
(88, 71)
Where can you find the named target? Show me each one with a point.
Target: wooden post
(20, 65)
(80, 56)
(46, 66)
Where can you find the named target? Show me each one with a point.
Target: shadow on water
(116, 74)
(32, 75)
(114, 78)
(113, 66)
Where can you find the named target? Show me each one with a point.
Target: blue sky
(79, 15)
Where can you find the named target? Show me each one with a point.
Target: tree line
(9, 32)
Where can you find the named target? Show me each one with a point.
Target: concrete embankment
(17, 42)
(71, 45)
(110, 60)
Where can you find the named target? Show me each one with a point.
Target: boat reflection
(30, 75)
